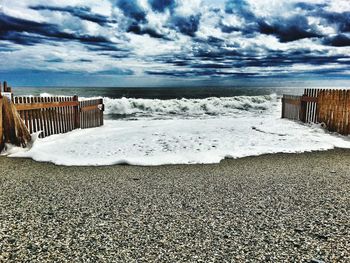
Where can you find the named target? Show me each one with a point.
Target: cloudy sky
(173, 42)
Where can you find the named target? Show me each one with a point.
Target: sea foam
(188, 108)
(224, 128)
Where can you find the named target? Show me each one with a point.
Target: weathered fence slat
(49, 103)
(49, 111)
(68, 128)
(45, 121)
(60, 117)
(291, 107)
(69, 119)
(76, 113)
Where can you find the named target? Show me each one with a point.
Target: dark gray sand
(272, 208)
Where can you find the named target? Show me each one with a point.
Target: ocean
(186, 102)
(157, 126)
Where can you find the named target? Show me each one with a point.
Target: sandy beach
(271, 208)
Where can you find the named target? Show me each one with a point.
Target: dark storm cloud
(162, 5)
(145, 30)
(83, 13)
(247, 30)
(337, 41)
(26, 32)
(341, 20)
(206, 61)
(109, 50)
(137, 23)
(118, 55)
(196, 73)
(84, 60)
(115, 71)
(290, 29)
(216, 53)
(106, 46)
(18, 30)
(309, 6)
(132, 10)
(285, 29)
(55, 60)
(239, 7)
(187, 25)
(176, 60)
(22, 38)
(211, 66)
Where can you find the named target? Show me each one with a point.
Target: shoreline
(226, 159)
(270, 208)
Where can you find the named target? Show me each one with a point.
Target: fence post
(7, 89)
(283, 106)
(5, 86)
(76, 113)
(101, 113)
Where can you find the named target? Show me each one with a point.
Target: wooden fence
(91, 113)
(334, 110)
(54, 115)
(51, 115)
(326, 106)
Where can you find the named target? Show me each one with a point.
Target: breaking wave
(213, 106)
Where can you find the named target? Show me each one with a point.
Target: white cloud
(146, 52)
(188, 8)
(339, 6)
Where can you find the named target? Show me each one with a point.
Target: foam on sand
(182, 140)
